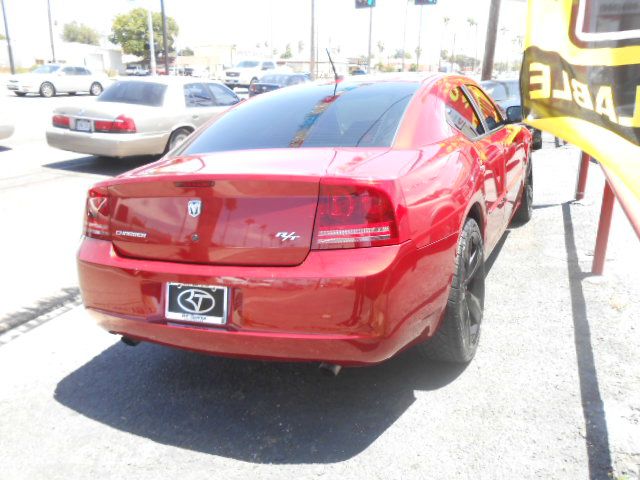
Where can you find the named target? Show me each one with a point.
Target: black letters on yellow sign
(605, 95)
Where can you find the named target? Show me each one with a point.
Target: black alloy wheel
(456, 339)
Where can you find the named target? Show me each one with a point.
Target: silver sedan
(139, 116)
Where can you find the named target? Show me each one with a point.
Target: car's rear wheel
(96, 89)
(525, 210)
(177, 137)
(456, 340)
(20, 94)
(47, 90)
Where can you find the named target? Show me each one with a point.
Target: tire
(20, 94)
(177, 137)
(47, 90)
(456, 340)
(525, 209)
(96, 89)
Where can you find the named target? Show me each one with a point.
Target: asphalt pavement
(554, 391)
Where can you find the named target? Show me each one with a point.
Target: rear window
(138, 93)
(358, 115)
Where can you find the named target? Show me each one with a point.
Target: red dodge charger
(339, 223)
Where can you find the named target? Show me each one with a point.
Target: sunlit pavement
(552, 393)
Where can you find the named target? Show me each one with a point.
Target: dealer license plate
(196, 303)
(83, 125)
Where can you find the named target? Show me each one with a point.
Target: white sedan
(49, 80)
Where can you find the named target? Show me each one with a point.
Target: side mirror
(514, 114)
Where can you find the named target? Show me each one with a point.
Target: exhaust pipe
(330, 369)
(129, 341)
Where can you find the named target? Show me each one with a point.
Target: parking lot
(552, 393)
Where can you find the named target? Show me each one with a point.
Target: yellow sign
(581, 82)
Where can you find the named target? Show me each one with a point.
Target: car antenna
(333, 66)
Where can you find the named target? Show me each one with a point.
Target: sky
(280, 22)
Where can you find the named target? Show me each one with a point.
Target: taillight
(121, 124)
(354, 216)
(253, 88)
(61, 121)
(96, 216)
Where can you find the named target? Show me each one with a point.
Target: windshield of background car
(358, 115)
(46, 69)
(137, 93)
(247, 64)
(275, 79)
(498, 91)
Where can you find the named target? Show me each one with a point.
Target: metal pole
(152, 49)
(370, 28)
(312, 58)
(582, 176)
(602, 239)
(404, 33)
(6, 32)
(53, 50)
(164, 39)
(419, 42)
(490, 43)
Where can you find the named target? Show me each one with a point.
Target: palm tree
(472, 23)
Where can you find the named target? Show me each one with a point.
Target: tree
(473, 24)
(380, 46)
(186, 52)
(2, 37)
(300, 46)
(80, 33)
(401, 53)
(287, 52)
(130, 31)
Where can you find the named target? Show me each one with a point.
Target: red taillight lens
(96, 216)
(121, 124)
(353, 217)
(61, 121)
(253, 88)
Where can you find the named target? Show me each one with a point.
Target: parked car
(49, 80)
(143, 116)
(136, 70)
(247, 72)
(275, 81)
(6, 130)
(358, 71)
(506, 93)
(335, 222)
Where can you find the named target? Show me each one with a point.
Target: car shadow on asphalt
(4, 149)
(102, 165)
(260, 412)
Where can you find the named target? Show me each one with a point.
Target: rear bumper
(345, 306)
(107, 144)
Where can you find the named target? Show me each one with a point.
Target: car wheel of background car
(20, 94)
(96, 89)
(537, 140)
(47, 90)
(456, 340)
(525, 210)
(178, 137)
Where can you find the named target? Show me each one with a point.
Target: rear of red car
(276, 253)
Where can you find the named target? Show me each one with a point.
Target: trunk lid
(229, 208)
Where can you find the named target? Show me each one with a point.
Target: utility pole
(404, 33)
(53, 50)
(164, 39)
(419, 49)
(490, 44)
(152, 49)
(370, 28)
(312, 59)
(6, 32)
